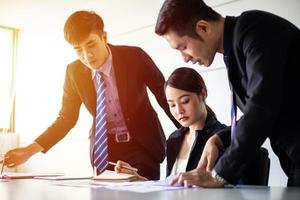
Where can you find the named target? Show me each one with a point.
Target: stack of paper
(112, 176)
(64, 177)
(106, 176)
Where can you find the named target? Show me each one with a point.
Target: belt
(121, 137)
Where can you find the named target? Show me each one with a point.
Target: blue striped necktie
(233, 110)
(233, 114)
(100, 146)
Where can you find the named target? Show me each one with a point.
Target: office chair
(257, 171)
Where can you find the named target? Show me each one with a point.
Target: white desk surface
(33, 189)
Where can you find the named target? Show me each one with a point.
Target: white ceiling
(119, 15)
(43, 20)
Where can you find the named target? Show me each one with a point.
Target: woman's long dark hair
(190, 80)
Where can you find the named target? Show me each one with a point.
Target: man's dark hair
(81, 24)
(181, 16)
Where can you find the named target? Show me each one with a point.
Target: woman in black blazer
(186, 93)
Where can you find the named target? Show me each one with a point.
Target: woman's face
(187, 107)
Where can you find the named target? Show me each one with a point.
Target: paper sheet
(145, 186)
(78, 183)
(64, 177)
(135, 186)
(18, 175)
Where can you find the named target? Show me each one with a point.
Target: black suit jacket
(134, 71)
(263, 59)
(174, 142)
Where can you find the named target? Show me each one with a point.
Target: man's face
(192, 49)
(92, 51)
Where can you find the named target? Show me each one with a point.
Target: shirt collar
(106, 68)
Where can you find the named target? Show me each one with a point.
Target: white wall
(44, 55)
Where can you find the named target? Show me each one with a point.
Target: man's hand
(210, 153)
(119, 168)
(20, 155)
(196, 177)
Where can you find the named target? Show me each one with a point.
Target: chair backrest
(257, 171)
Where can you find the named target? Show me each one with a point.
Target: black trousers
(134, 154)
(294, 176)
(290, 168)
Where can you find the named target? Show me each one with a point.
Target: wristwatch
(218, 178)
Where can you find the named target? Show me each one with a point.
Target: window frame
(15, 41)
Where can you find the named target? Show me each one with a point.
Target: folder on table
(112, 176)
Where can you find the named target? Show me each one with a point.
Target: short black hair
(181, 16)
(81, 24)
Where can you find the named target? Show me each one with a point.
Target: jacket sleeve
(155, 82)
(256, 47)
(225, 136)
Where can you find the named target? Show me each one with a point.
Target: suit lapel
(174, 148)
(88, 90)
(235, 80)
(121, 74)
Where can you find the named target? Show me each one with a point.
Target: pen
(126, 167)
(2, 168)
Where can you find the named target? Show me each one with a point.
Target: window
(8, 57)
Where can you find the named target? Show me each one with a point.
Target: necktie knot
(99, 76)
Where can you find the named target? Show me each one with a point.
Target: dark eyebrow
(88, 43)
(91, 42)
(184, 95)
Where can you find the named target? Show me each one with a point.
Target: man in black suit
(261, 53)
(134, 133)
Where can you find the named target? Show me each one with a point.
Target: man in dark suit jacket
(134, 134)
(261, 53)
